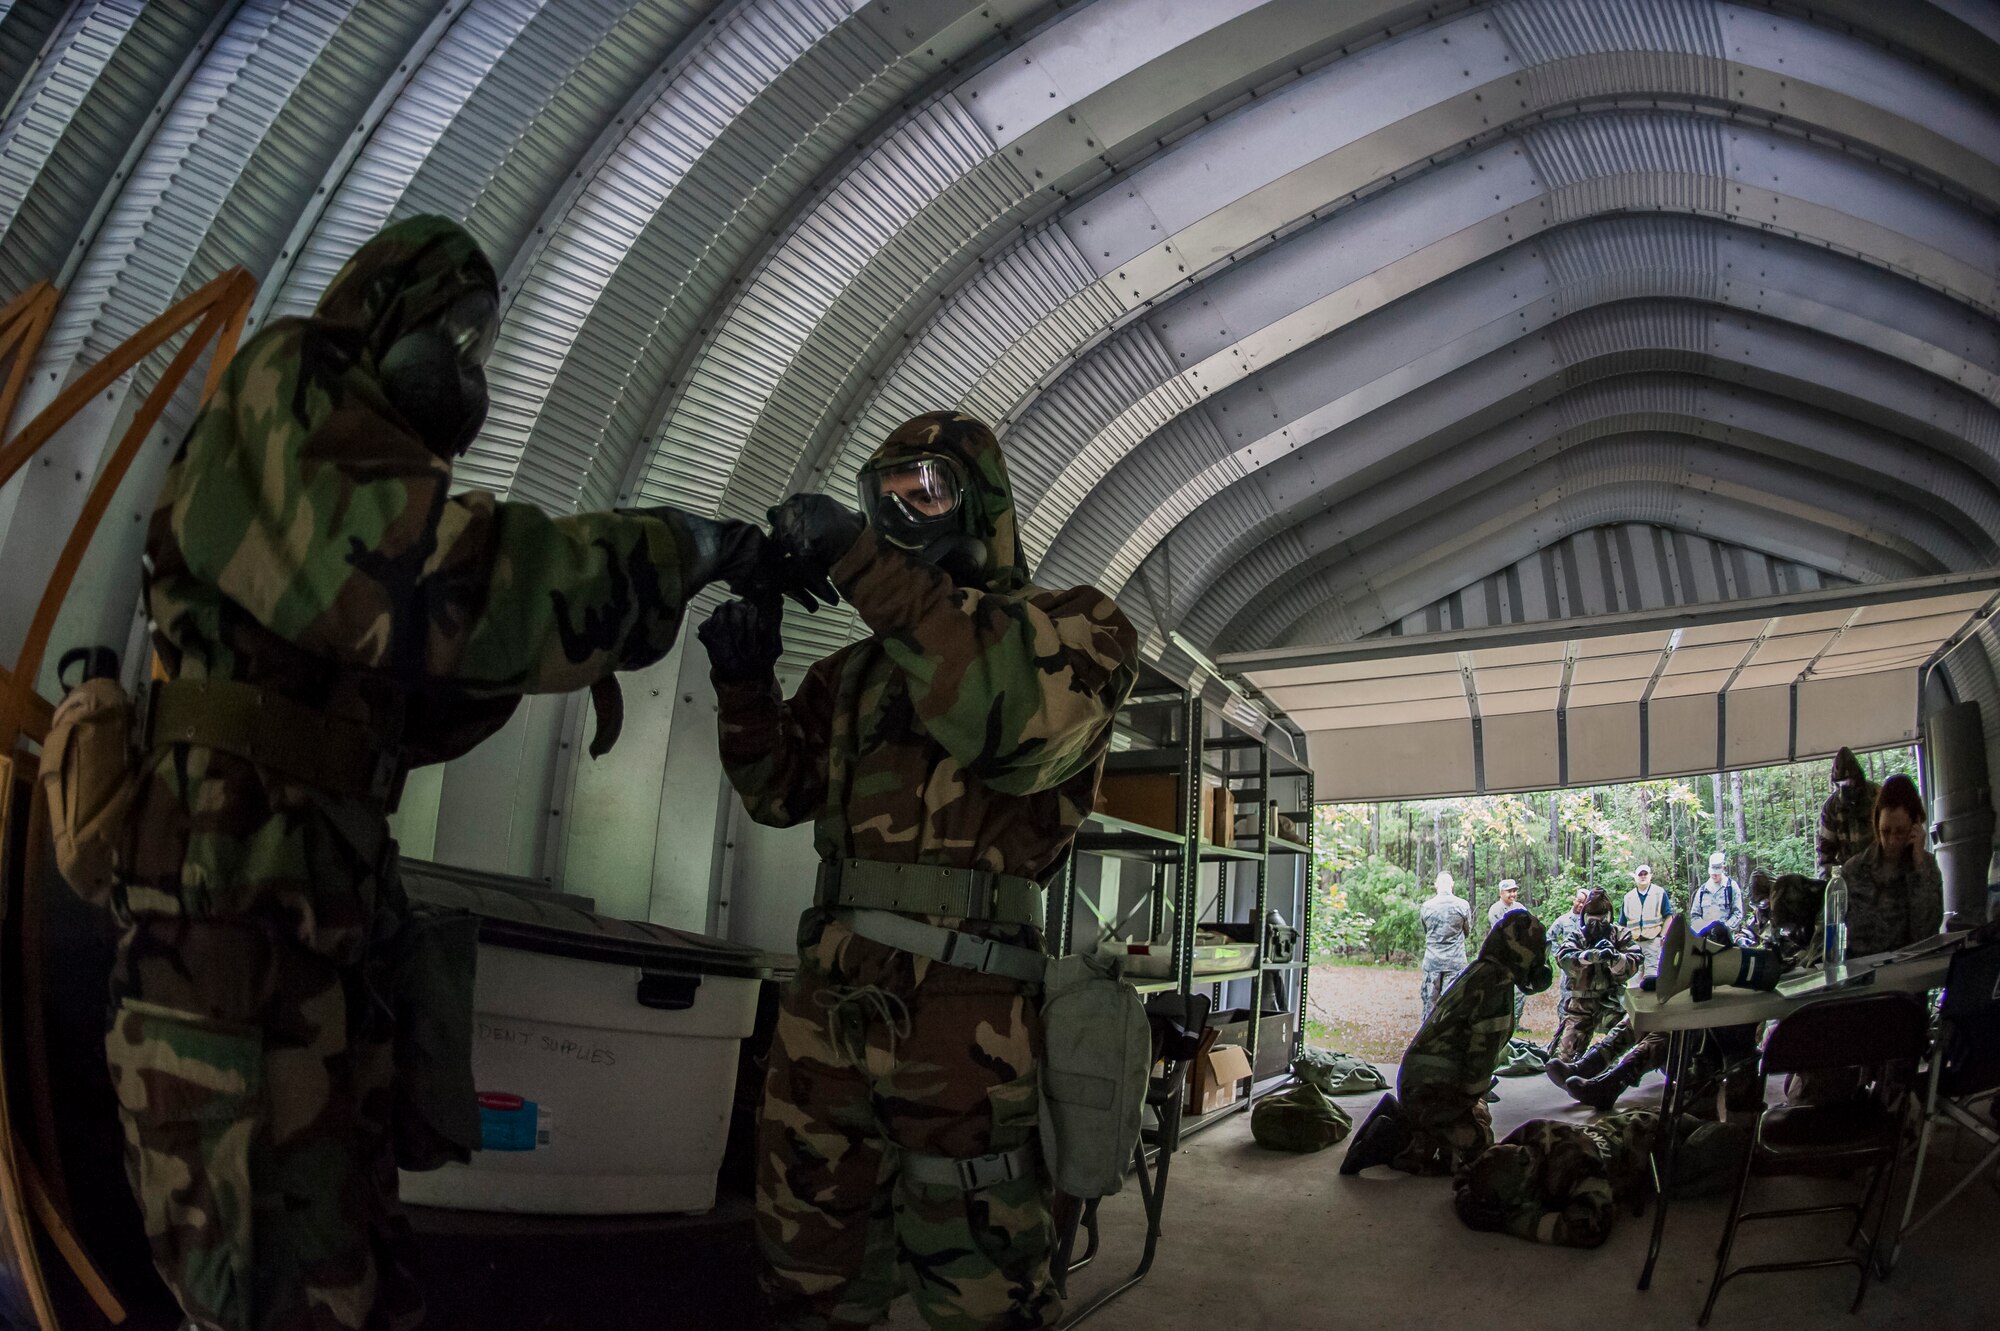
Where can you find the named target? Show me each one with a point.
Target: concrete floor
(1256, 1239)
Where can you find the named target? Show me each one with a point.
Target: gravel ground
(1373, 1011)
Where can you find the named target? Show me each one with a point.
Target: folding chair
(1965, 1069)
(1178, 1023)
(1855, 1131)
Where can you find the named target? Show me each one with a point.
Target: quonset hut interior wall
(1301, 321)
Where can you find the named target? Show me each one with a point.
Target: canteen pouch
(433, 959)
(87, 771)
(1097, 1056)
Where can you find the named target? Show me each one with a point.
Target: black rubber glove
(812, 532)
(736, 554)
(743, 641)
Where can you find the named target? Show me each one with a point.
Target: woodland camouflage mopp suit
(307, 561)
(1554, 1182)
(967, 732)
(1437, 1120)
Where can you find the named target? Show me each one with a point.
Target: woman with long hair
(1895, 895)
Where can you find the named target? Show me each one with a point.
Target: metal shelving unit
(1171, 730)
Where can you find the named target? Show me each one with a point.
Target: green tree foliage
(1376, 863)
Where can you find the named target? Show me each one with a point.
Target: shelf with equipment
(1193, 858)
(1137, 874)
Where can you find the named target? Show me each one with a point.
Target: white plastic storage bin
(604, 1052)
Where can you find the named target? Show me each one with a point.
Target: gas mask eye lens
(927, 487)
(472, 323)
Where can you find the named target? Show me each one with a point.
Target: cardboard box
(1274, 1037)
(1222, 815)
(1152, 799)
(1218, 1072)
(1210, 789)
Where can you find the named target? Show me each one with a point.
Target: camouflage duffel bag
(1299, 1118)
(1338, 1074)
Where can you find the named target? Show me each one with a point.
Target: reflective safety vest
(1646, 916)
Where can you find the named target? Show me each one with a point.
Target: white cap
(1444, 881)
(1644, 868)
(1508, 885)
(1717, 860)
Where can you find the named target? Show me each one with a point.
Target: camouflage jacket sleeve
(350, 545)
(1631, 954)
(1569, 955)
(1828, 846)
(1019, 688)
(775, 751)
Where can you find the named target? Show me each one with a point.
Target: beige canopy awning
(1619, 697)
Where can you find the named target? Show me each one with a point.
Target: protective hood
(1846, 767)
(1519, 944)
(407, 276)
(988, 505)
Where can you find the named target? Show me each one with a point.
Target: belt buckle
(970, 1171)
(826, 892)
(981, 895)
(959, 951)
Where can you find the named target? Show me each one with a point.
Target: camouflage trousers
(878, 1053)
(1445, 1135)
(1579, 1019)
(254, 1081)
(1437, 979)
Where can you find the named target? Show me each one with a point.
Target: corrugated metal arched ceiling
(1301, 319)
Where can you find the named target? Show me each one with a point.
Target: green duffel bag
(1521, 1058)
(1299, 1118)
(1338, 1074)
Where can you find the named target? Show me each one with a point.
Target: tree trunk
(1742, 838)
(1375, 831)
(1715, 782)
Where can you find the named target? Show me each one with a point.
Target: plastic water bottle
(1836, 925)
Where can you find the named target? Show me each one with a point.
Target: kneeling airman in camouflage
(1437, 1121)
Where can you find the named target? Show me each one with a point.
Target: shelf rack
(1172, 730)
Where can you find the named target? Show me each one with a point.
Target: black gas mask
(435, 376)
(1596, 930)
(917, 504)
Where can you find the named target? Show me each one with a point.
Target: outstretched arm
(348, 543)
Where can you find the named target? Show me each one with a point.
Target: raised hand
(743, 641)
(812, 532)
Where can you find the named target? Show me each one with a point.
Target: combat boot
(1380, 1138)
(1603, 1090)
(1593, 1061)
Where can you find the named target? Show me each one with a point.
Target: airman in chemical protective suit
(1549, 1181)
(946, 762)
(327, 614)
(1437, 1121)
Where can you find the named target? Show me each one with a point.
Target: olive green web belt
(878, 898)
(931, 889)
(307, 745)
